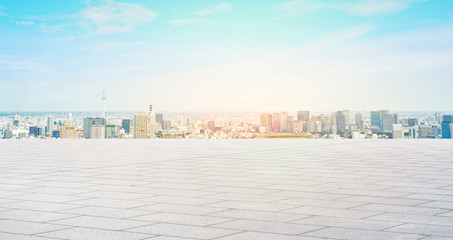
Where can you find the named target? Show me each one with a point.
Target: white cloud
(1, 12)
(112, 17)
(223, 7)
(14, 63)
(187, 21)
(108, 45)
(358, 7)
(106, 17)
(25, 23)
(201, 19)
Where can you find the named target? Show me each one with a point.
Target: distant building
(144, 125)
(33, 131)
(67, 132)
(283, 121)
(387, 122)
(340, 121)
(160, 120)
(126, 125)
(56, 133)
(358, 118)
(266, 121)
(397, 131)
(7, 133)
(289, 124)
(167, 125)
(50, 124)
(88, 122)
(377, 119)
(446, 126)
(110, 131)
(304, 116)
(426, 132)
(276, 122)
(97, 132)
(346, 114)
(298, 126)
(412, 122)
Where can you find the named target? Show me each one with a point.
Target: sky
(209, 55)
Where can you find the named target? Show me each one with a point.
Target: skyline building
(144, 125)
(266, 121)
(446, 127)
(283, 121)
(126, 125)
(50, 124)
(304, 116)
(340, 121)
(387, 122)
(67, 132)
(276, 122)
(160, 120)
(88, 122)
(97, 132)
(110, 131)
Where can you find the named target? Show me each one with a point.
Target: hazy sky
(252, 55)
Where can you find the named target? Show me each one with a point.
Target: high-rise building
(33, 131)
(283, 121)
(56, 133)
(359, 121)
(97, 132)
(276, 122)
(358, 118)
(160, 119)
(346, 114)
(110, 131)
(126, 125)
(412, 122)
(289, 124)
(50, 124)
(211, 125)
(167, 125)
(377, 118)
(340, 121)
(88, 122)
(67, 132)
(144, 125)
(426, 131)
(304, 116)
(446, 126)
(298, 126)
(266, 121)
(397, 118)
(397, 131)
(387, 122)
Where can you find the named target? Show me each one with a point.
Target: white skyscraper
(49, 124)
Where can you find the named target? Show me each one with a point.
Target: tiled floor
(226, 189)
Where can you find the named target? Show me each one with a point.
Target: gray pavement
(226, 189)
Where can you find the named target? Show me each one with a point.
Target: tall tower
(103, 100)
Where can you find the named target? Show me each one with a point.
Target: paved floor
(226, 190)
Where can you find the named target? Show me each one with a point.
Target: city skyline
(226, 55)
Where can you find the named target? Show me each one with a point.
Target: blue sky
(210, 55)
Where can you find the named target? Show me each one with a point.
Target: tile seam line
(230, 154)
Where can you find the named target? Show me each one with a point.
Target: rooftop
(267, 189)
